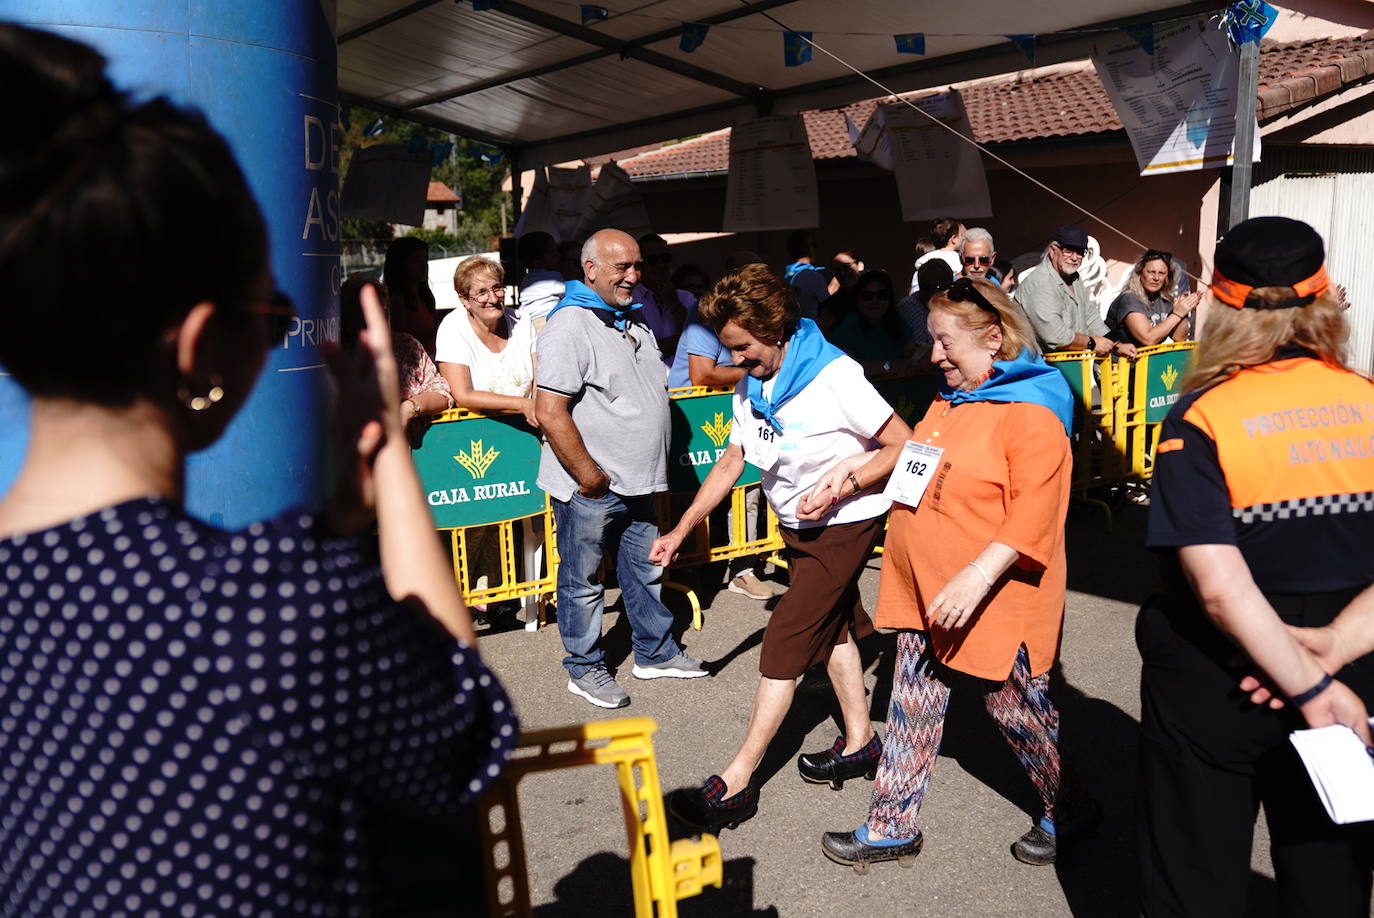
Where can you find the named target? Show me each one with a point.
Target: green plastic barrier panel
(701, 431)
(1162, 386)
(480, 470)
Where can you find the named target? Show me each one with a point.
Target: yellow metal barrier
(661, 873)
(1148, 389)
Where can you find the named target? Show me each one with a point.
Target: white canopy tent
(528, 77)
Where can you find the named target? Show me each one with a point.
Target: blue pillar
(264, 72)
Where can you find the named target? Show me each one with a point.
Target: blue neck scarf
(576, 293)
(807, 354)
(791, 271)
(1028, 378)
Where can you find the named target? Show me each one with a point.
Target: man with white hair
(603, 408)
(976, 253)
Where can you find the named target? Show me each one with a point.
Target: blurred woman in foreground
(218, 707)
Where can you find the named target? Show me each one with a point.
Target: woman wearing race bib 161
(823, 440)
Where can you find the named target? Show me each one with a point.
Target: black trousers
(1209, 758)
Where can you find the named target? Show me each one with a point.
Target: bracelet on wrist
(855, 482)
(1302, 698)
(979, 568)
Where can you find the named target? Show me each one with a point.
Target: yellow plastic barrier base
(660, 873)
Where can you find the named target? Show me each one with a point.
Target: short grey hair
(591, 251)
(977, 234)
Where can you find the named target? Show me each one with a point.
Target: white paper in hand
(1341, 770)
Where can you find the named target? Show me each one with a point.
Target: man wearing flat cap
(1056, 301)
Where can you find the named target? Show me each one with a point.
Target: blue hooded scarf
(807, 354)
(576, 293)
(1028, 378)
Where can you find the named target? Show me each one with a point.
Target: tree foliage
(479, 183)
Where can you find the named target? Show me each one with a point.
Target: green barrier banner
(1166, 371)
(909, 396)
(479, 471)
(701, 431)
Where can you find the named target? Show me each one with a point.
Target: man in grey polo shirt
(1056, 301)
(603, 407)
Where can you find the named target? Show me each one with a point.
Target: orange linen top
(1004, 477)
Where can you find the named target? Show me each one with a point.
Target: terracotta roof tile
(438, 191)
(1062, 103)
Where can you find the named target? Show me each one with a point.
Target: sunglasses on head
(965, 291)
(1157, 255)
(978, 259)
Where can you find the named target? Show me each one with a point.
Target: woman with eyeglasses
(874, 333)
(974, 569)
(200, 720)
(485, 350)
(1147, 312)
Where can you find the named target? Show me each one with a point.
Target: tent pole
(516, 192)
(1235, 197)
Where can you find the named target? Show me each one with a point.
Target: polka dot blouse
(195, 722)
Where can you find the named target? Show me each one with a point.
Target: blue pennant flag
(796, 48)
(1144, 35)
(481, 5)
(418, 143)
(373, 129)
(438, 152)
(1026, 43)
(490, 157)
(1249, 20)
(693, 34)
(592, 13)
(911, 43)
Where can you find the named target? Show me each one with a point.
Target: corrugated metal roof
(528, 75)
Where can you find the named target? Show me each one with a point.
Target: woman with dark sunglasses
(974, 568)
(874, 333)
(1147, 312)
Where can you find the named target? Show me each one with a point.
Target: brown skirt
(823, 601)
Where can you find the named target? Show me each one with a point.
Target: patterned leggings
(916, 723)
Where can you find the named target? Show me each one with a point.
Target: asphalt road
(979, 801)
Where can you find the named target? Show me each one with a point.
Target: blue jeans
(586, 529)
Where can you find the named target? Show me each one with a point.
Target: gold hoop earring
(200, 402)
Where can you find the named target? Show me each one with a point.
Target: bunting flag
(487, 157)
(438, 152)
(796, 48)
(1249, 20)
(419, 143)
(593, 13)
(693, 34)
(481, 5)
(373, 129)
(1026, 43)
(1144, 36)
(911, 43)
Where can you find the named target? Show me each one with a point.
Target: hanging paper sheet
(937, 172)
(387, 182)
(772, 179)
(1178, 105)
(614, 203)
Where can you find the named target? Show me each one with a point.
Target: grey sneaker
(600, 688)
(679, 667)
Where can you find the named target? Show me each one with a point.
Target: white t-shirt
(948, 256)
(836, 416)
(510, 372)
(540, 291)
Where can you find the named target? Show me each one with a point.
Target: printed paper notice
(772, 179)
(1178, 105)
(937, 172)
